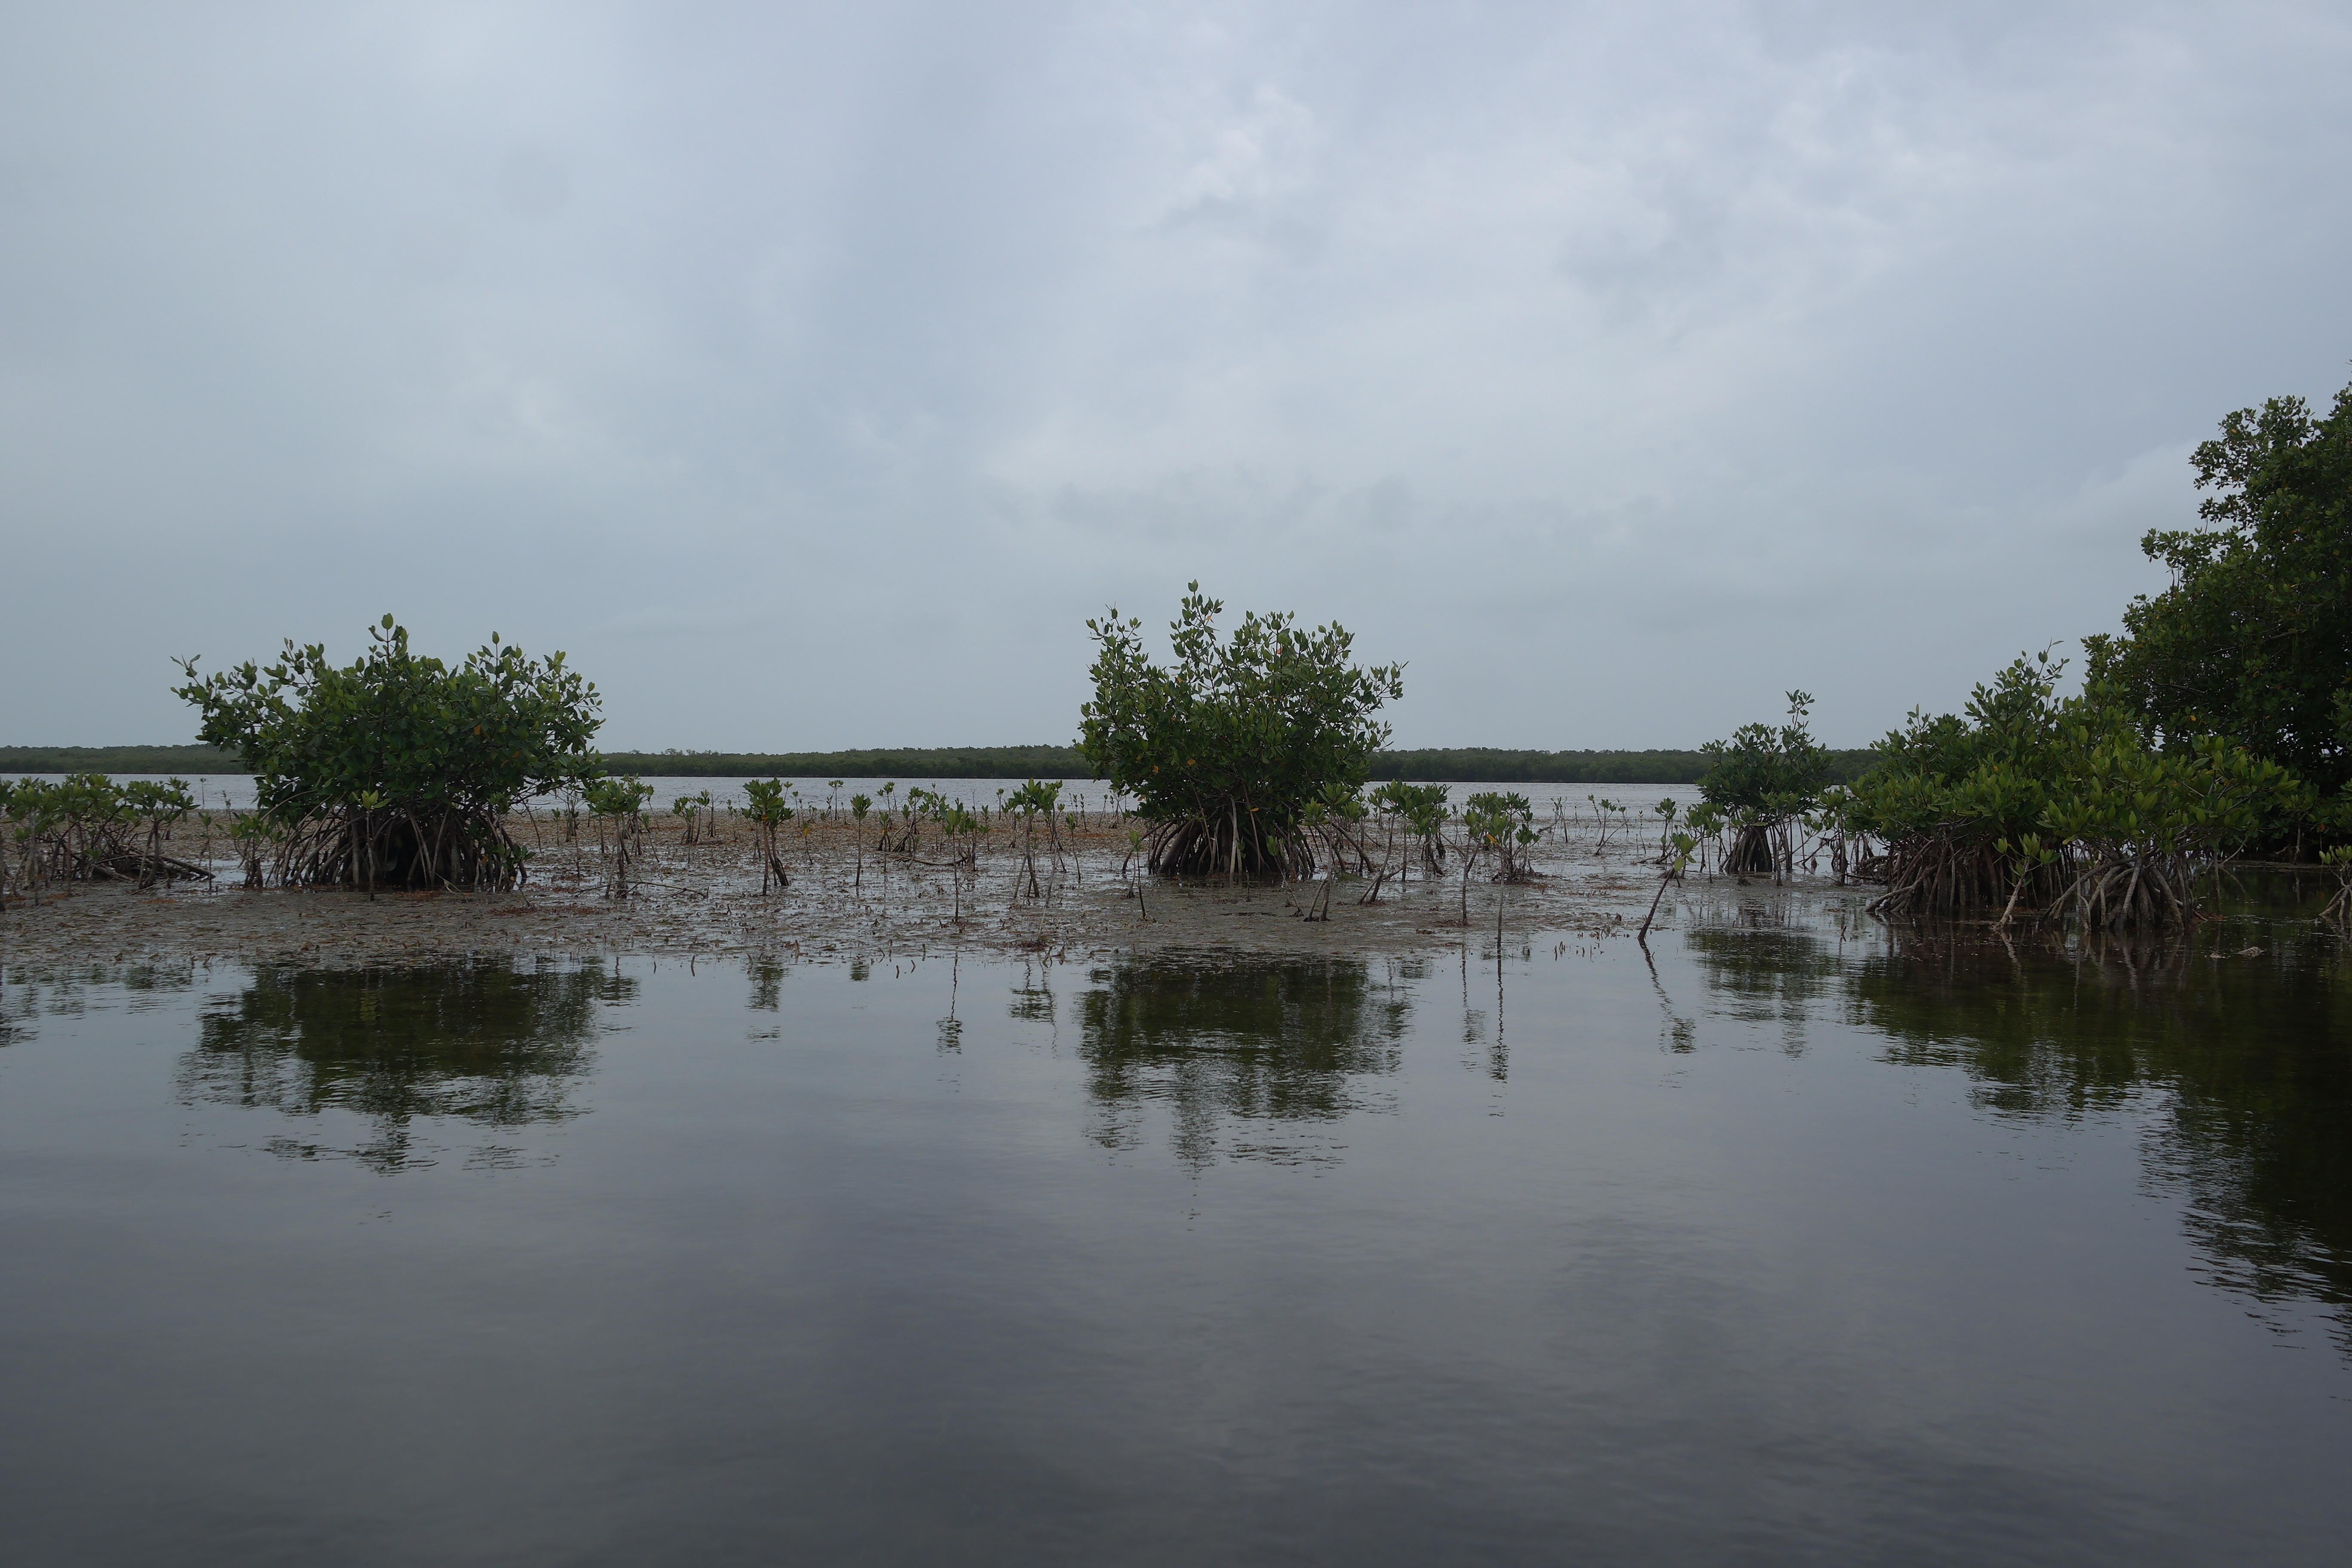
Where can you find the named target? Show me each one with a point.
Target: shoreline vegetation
(879, 890)
(839, 887)
(1460, 765)
(1260, 757)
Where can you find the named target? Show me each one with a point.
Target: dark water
(1812, 1246)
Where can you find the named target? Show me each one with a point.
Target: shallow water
(1809, 1244)
(234, 792)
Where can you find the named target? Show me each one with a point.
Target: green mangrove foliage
(763, 804)
(87, 827)
(1335, 823)
(698, 814)
(619, 803)
(1420, 810)
(2030, 803)
(2253, 640)
(1763, 779)
(1227, 751)
(1502, 823)
(1034, 800)
(397, 768)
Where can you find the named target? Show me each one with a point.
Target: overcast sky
(811, 374)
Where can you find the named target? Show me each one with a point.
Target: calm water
(1809, 1246)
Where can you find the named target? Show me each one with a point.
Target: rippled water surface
(1805, 1244)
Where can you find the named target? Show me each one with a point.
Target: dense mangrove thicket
(2030, 804)
(397, 769)
(2253, 641)
(2220, 723)
(1229, 751)
(193, 761)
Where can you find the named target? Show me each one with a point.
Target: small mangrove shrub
(87, 827)
(1764, 778)
(763, 805)
(619, 803)
(1226, 749)
(443, 752)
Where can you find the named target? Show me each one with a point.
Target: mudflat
(701, 893)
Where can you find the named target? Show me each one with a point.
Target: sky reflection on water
(1805, 1238)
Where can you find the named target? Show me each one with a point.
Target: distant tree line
(1462, 764)
(192, 760)
(1482, 765)
(877, 763)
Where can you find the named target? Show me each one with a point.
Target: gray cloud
(811, 375)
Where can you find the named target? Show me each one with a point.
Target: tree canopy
(397, 764)
(1765, 773)
(2253, 639)
(1761, 778)
(1228, 749)
(2030, 801)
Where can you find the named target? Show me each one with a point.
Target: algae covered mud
(1800, 1238)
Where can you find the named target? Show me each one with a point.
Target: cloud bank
(811, 375)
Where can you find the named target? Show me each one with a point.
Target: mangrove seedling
(1031, 800)
(859, 805)
(620, 802)
(764, 804)
(1680, 846)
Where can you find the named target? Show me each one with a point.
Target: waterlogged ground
(1799, 1241)
(690, 889)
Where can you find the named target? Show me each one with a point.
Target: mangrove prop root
(1937, 875)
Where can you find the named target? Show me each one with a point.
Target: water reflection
(1768, 974)
(1283, 1047)
(486, 1043)
(30, 993)
(2244, 1053)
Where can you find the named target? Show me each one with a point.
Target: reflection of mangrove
(2244, 1055)
(1763, 971)
(487, 1042)
(1256, 1040)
